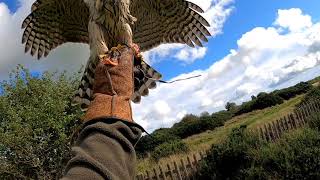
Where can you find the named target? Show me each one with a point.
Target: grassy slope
(203, 141)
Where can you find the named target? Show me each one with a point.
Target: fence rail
(183, 169)
(187, 167)
(273, 130)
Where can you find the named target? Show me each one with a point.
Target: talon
(110, 61)
(106, 59)
(136, 50)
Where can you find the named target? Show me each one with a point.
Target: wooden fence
(187, 167)
(183, 169)
(273, 130)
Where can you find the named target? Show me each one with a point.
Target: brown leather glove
(113, 86)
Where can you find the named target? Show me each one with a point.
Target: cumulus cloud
(265, 59)
(67, 57)
(189, 55)
(293, 19)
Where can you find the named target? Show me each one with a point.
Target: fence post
(162, 173)
(267, 133)
(170, 171)
(312, 107)
(156, 174)
(271, 131)
(139, 176)
(262, 136)
(192, 168)
(298, 118)
(279, 126)
(302, 117)
(283, 127)
(149, 175)
(309, 112)
(275, 129)
(177, 170)
(184, 169)
(196, 164)
(294, 122)
(317, 105)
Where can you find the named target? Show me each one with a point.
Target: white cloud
(293, 19)
(189, 55)
(68, 57)
(216, 13)
(266, 58)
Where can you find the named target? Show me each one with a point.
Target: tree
(231, 106)
(204, 114)
(36, 124)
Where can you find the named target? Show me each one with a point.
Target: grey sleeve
(104, 150)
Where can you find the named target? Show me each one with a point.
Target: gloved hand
(113, 86)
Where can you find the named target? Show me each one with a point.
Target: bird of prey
(106, 23)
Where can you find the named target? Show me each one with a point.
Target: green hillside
(289, 99)
(204, 141)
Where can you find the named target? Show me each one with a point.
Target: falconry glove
(113, 86)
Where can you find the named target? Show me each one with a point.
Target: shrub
(148, 143)
(291, 92)
(314, 121)
(229, 159)
(169, 148)
(245, 107)
(313, 94)
(36, 123)
(265, 100)
(295, 156)
(195, 125)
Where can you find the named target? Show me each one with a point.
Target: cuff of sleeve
(109, 106)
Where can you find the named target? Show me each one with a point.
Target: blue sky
(258, 45)
(247, 15)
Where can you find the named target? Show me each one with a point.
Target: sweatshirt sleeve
(104, 150)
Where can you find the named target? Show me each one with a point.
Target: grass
(203, 141)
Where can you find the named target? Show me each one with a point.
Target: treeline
(169, 140)
(160, 140)
(264, 100)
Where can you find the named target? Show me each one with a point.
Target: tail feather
(84, 95)
(144, 79)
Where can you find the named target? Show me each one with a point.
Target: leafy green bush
(263, 100)
(169, 148)
(291, 92)
(195, 125)
(229, 159)
(36, 123)
(312, 95)
(148, 143)
(295, 156)
(188, 126)
(314, 121)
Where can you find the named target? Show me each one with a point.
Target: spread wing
(54, 22)
(167, 21)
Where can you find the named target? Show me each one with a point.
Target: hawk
(106, 23)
